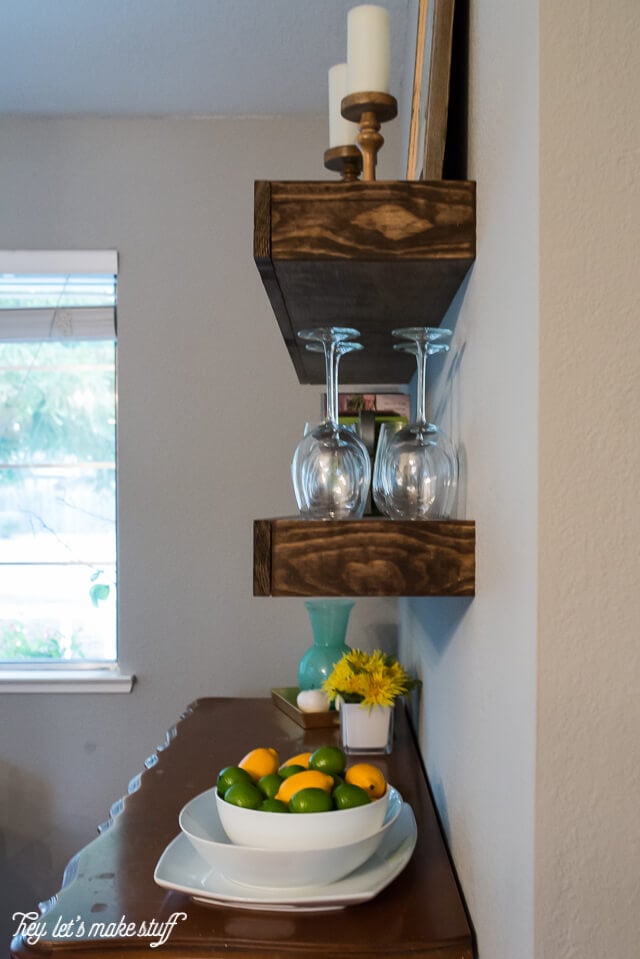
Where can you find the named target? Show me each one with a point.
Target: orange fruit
(302, 759)
(260, 762)
(368, 777)
(308, 779)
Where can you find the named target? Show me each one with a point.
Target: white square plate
(181, 869)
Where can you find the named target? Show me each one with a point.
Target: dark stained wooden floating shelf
(369, 557)
(371, 255)
(375, 256)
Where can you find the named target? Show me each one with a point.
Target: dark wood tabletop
(110, 882)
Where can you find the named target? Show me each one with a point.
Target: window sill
(56, 680)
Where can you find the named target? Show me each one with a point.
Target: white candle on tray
(341, 132)
(368, 49)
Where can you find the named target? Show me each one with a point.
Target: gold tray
(285, 699)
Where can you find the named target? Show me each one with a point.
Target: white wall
(530, 713)
(588, 758)
(209, 414)
(477, 658)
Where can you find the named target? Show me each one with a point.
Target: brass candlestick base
(346, 160)
(369, 110)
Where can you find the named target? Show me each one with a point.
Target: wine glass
(387, 431)
(331, 468)
(419, 467)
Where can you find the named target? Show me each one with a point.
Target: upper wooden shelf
(371, 255)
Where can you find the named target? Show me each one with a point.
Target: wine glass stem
(332, 358)
(421, 385)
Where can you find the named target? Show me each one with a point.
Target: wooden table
(419, 915)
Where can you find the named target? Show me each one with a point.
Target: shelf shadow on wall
(434, 621)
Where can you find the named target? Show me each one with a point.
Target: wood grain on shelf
(370, 255)
(369, 557)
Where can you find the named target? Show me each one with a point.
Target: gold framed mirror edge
(430, 94)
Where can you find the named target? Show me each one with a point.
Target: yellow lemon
(368, 777)
(260, 762)
(308, 779)
(302, 759)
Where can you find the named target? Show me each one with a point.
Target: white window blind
(57, 295)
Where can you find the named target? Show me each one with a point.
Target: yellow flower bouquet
(371, 679)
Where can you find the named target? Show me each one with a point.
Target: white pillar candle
(368, 49)
(341, 132)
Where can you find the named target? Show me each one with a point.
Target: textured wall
(477, 658)
(588, 760)
(530, 713)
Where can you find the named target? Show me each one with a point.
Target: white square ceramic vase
(366, 729)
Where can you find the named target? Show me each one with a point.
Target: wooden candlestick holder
(345, 160)
(369, 110)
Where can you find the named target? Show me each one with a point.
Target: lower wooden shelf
(367, 557)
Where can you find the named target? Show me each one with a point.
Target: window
(58, 572)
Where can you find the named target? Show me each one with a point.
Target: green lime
(347, 796)
(269, 784)
(285, 771)
(311, 799)
(231, 775)
(244, 794)
(328, 759)
(274, 805)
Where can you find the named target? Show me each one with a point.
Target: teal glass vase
(329, 621)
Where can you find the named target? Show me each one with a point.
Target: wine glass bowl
(329, 473)
(331, 467)
(387, 431)
(418, 470)
(422, 475)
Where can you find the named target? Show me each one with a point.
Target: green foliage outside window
(57, 462)
(29, 642)
(51, 417)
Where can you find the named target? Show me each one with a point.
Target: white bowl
(312, 830)
(200, 823)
